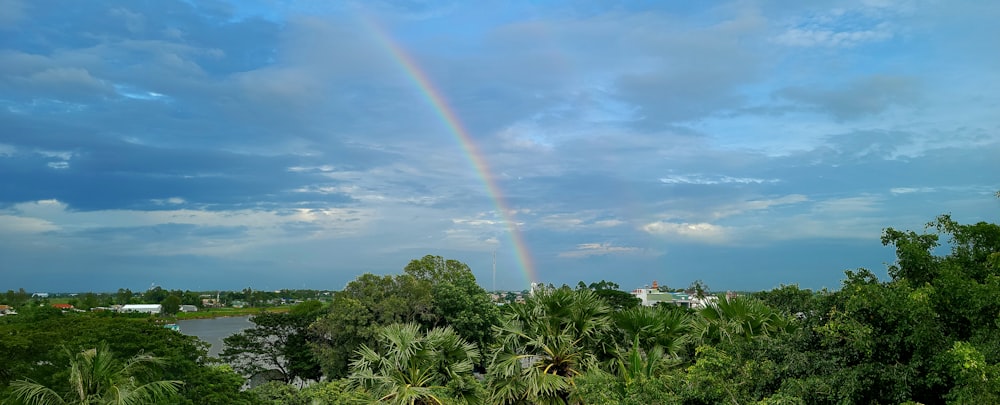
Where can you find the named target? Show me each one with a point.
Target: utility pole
(494, 271)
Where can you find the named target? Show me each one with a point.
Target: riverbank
(209, 313)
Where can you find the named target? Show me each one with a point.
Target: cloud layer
(224, 144)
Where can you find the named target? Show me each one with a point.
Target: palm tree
(546, 342)
(650, 327)
(97, 377)
(408, 367)
(738, 318)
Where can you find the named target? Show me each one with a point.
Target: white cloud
(834, 39)
(697, 232)
(59, 165)
(849, 205)
(262, 227)
(599, 249)
(908, 190)
(711, 180)
(11, 224)
(475, 222)
(841, 28)
(169, 201)
(577, 221)
(757, 205)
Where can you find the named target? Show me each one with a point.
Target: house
(210, 303)
(189, 308)
(142, 308)
(7, 310)
(64, 307)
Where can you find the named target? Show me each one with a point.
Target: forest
(929, 334)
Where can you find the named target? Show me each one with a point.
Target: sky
(272, 144)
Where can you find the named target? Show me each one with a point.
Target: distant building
(64, 307)
(210, 303)
(537, 288)
(7, 310)
(652, 296)
(189, 308)
(142, 308)
(40, 295)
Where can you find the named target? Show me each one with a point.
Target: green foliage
(726, 319)
(279, 393)
(543, 344)
(433, 292)
(406, 366)
(789, 299)
(336, 392)
(652, 328)
(276, 343)
(33, 349)
(171, 305)
(16, 299)
(96, 376)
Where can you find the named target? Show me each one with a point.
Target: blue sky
(278, 144)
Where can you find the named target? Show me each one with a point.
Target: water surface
(214, 330)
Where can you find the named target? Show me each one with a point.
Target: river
(214, 330)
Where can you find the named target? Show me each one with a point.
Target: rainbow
(447, 115)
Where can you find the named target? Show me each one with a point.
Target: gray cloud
(860, 97)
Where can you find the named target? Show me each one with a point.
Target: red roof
(62, 306)
(4, 307)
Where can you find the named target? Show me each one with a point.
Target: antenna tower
(494, 271)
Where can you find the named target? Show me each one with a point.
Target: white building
(188, 308)
(651, 296)
(144, 308)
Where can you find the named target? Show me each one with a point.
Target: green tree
(650, 328)
(458, 301)
(699, 289)
(358, 311)
(155, 295)
(171, 305)
(124, 296)
(737, 318)
(17, 298)
(277, 342)
(408, 367)
(97, 377)
(543, 344)
(789, 299)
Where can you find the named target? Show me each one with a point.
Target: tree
(97, 377)
(699, 289)
(358, 311)
(789, 299)
(737, 318)
(155, 295)
(405, 366)
(543, 344)
(124, 296)
(276, 343)
(17, 298)
(610, 292)
(651, 328)
(171, 305)
(458, 301)
(432, 292)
